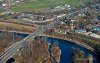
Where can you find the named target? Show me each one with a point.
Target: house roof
(80, 30)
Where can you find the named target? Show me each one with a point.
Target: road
(9, 52)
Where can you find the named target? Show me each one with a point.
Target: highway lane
(8, 52)
(12, 52)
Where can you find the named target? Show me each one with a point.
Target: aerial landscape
(49, 31)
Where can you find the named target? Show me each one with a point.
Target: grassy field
(12, 27)
(42, 4)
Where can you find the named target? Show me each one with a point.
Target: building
(95, 35)
(60, 31)
(96, 28)
(80, 31)
(7, 3)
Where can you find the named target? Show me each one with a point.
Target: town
(49, 31)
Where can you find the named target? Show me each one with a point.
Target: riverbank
(76, 42)
(63, 38)
(37, 51)
(74, 37)
(65, 46)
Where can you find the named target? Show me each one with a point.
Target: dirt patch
(16, 27)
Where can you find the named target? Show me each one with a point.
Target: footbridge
(9, 52)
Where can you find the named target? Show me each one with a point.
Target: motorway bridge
(9, 52)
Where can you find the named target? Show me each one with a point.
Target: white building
(95, 35)
(80, 31)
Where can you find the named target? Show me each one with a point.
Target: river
(66, 48)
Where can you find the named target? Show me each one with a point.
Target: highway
(9, 52)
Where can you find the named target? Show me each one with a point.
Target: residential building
(80, 31)
(95, 35)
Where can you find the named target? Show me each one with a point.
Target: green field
(42, 4)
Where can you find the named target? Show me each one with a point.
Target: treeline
(35, 52)
(74, 36)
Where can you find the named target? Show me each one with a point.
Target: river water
(66, 48)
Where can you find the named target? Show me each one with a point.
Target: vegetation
(56, 51)
(78, 56)
(34, 52)
(9, 16)
(80, 38)
(12, 27)
(76, 37)
(42, 4)
(89, 40)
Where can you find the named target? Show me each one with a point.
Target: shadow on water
(11, 60)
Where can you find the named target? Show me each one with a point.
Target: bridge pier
(43, 38)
